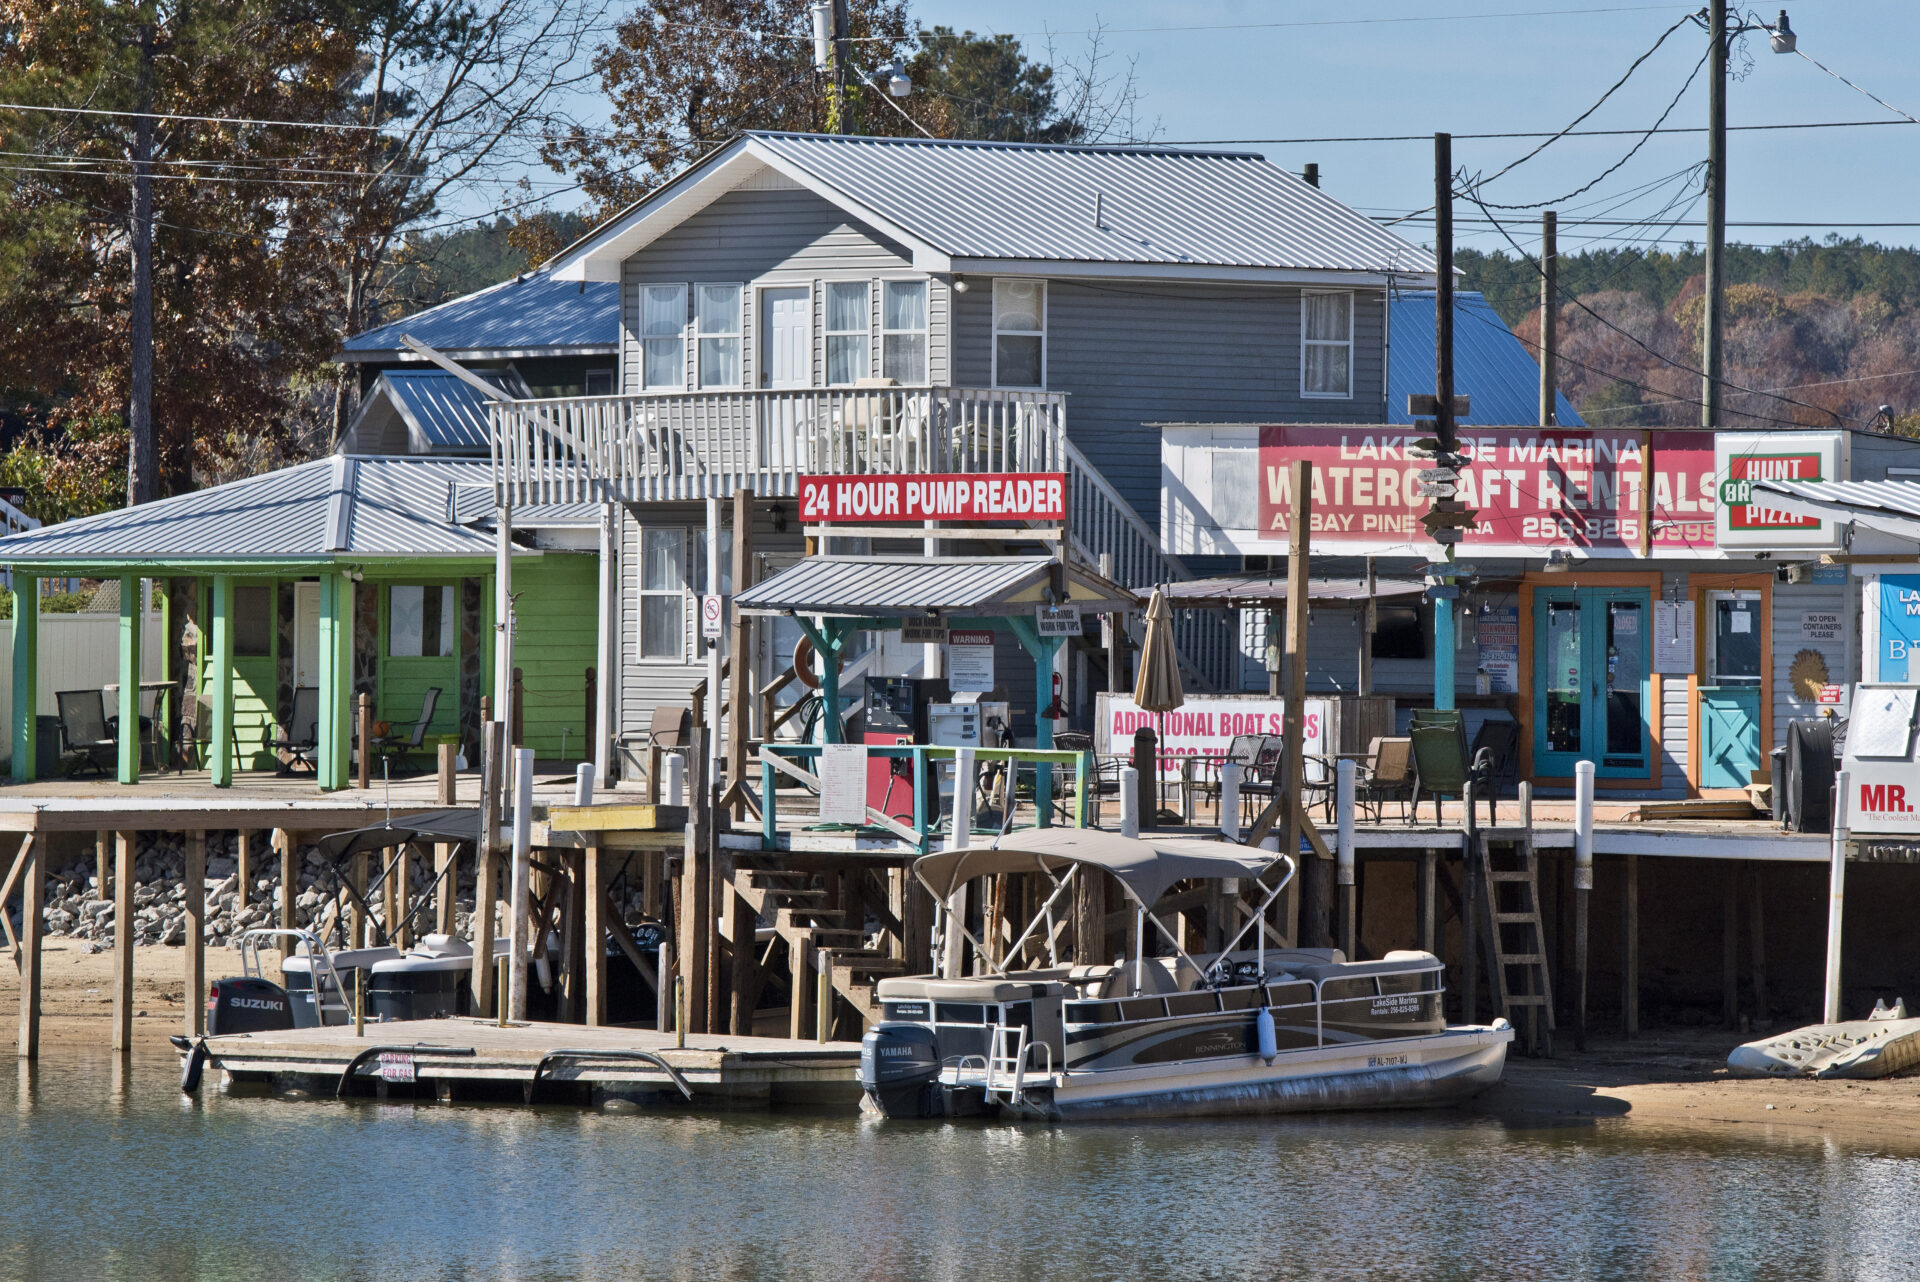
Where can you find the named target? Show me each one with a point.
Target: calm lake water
(110, 1173)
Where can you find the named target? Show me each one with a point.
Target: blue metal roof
(1490, 364)
(528, 315)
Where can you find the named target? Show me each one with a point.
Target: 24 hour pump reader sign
(939, 496)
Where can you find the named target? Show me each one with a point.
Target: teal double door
(1731, 689)
(1590, 688)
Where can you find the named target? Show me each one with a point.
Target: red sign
(938, 496)
(1531, 487)
(1743, 513)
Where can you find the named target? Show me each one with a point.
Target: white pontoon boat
(1249, 1031)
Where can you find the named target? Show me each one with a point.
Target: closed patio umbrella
(1158, 687)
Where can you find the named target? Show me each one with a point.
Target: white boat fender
(1269, 1043)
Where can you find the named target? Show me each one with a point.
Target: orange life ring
(803, 664)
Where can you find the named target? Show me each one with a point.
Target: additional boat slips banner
(939, 496)
(1205, 728)
(1532, 488)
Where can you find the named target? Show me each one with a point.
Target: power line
(1790, 387)
(1344, 22)
(1522, 134)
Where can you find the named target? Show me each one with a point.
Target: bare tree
(1099, 95)
(453, 95)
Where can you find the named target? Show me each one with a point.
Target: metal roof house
(347, 576)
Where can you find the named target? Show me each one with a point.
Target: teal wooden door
(1730, 697)
(1590, 687)
(1729, 736)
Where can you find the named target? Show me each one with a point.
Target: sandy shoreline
(1675, 1080)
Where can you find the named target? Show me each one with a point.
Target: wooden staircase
(1516, 938)
(820, 939)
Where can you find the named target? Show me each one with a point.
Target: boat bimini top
(1145, 867)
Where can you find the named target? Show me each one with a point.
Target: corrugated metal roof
(342, 506)
(532, 313)
(1259, 588)
(449, 413)
(880, 585)
(1894, 498)
(1490, 363)
(1099, 204)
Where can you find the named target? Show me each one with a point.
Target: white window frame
(925, 332)
(828, 333)
(1046, 301)
(1305, 343)
(739, 334)
(642, 592)
(640, 327)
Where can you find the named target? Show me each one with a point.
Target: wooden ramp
(456, 1059)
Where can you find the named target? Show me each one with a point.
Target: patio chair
(1495, 758)
(1386, 775)
(398, 749)
(1441, 767)
(1260, 779)
(88, 737)
(301, 739)
(1243, 750)
(1104, 783)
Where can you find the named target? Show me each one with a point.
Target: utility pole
(141, 456)
(1443, 397)
(1549, 316)
(1713, 317)
(842, 63)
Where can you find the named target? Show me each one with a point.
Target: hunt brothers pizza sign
(1532, 488)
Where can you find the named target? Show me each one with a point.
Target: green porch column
(26, 674)
(334, 767)
(131, 619)
(220, 660)
(828, 640)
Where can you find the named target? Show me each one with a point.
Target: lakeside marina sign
(1596, 492)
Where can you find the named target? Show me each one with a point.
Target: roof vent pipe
(1311, 173)
(1099, 211)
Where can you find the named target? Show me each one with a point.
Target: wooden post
(1315, 896)
(195, 885)
(446, 882)
(493, 752)
(1582, 887)
(357, 911)
(1757, 928)
(1469, 927)
(365, 719)
(740, 683)
(401, 934)
(1730, 946)
(132, 621)
(1424, 903)
(1369, 621)
(695, 899)
(593, 893)
(572, 930)
(26, 680)
(33, 924)
(123, 852)
(243, 869)
(1630, 949)
(102, 865)
(220, 767)
(287, 842)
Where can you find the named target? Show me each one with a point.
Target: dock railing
(922, 825)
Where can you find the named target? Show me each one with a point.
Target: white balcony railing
(691, 445)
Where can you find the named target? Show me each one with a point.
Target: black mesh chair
(87, 734)
(299, 740)
(397, 748)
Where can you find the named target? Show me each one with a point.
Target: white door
(306, 635)
(786, 364)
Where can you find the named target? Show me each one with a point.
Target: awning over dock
(1235, 590)
(891, 587)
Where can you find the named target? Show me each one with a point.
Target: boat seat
(1398, 962)
(981, 988)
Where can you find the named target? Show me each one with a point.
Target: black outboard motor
(900, 1070)
(247, 1005)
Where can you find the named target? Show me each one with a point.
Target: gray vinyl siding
(645, 684)
(759, 238)
(1132, 353)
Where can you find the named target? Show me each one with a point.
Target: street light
(1713, 320)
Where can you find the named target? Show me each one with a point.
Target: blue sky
(1366, 68)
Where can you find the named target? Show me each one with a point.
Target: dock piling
(31, 864)
(1583, 774)
(195, 885)
(125, 843)
(287, 842)
(485, 887)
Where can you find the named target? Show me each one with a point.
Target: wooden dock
(475, 1059)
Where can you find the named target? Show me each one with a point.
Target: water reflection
(246, 1187)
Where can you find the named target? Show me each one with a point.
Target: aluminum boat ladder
(1006, 1078)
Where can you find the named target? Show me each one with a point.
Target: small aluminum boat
(1251, 1031)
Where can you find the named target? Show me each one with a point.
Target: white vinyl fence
(77, 652)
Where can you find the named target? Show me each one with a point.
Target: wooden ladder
(1516, 937)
